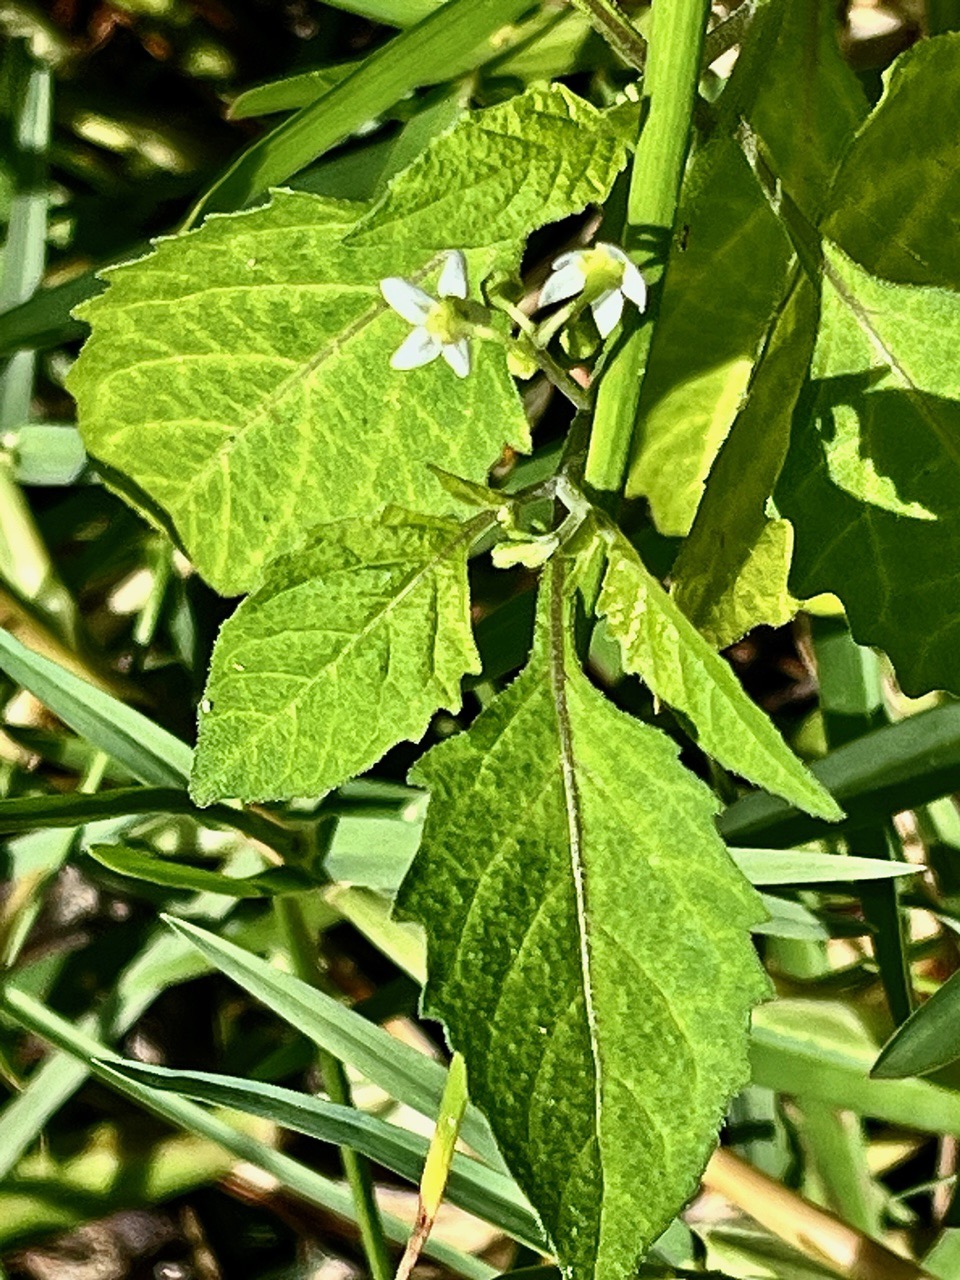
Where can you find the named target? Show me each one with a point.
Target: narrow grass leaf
(405, 1074)
(928, 1040)
(421, 56)
(299, 1179)
(473, 1186)
(178, 875)
(150, 753)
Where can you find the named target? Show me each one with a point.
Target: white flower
(440, 327)
(605, 274)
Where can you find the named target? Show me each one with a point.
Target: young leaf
(349, 647)
(241, 377)
(664, 648)
(601, 1047)
(870, 480)
(500, 173)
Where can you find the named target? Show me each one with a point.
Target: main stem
(670, 85)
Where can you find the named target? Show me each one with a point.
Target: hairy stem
(607, 18)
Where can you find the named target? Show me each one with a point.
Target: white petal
(457, 356)
(453, 277)
(634, 286)
(607, 310)
(406, 299)
(563, 284)
(572, 255)
(417, 348)
(613, 251)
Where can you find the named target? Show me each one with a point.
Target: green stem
(670, 86)
(302, 956)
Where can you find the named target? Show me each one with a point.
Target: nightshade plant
(738, 296)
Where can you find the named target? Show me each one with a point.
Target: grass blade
(472, 1186)
(421, 56)
(179, 875)
(150, 753)
(187, 1115)
(399, 1070)
(795, 866)
(928, 1040)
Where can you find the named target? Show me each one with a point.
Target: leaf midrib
(557, 655)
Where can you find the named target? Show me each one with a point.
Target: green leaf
(349, 647)
(553, 951)
(303, 1181)
(500, 173)
(870, 481)
(149, 752)
(46, 453)
(241, 377)
(807, 101)
(179, 875)
(726, 273)
(405, 1074)
(479, 1190)
(776, 866)
(731, 574)
(824, 1050)
(290, 93)
(897, 767)
(426, 54)
(890, 215)
(928, 1040)
(663, 647)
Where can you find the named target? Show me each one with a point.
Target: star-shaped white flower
(606, 274)
(440, 328)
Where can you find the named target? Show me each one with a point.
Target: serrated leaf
(661, 645)
(732, 570)
(240, 377)
(871, 478)
(588, 950)
(502, 172)
(900, 219)
(727, 272)
(349, 647)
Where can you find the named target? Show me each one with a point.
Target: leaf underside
(589, 951)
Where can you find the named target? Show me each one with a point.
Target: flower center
(447, 321)
(601, 270)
